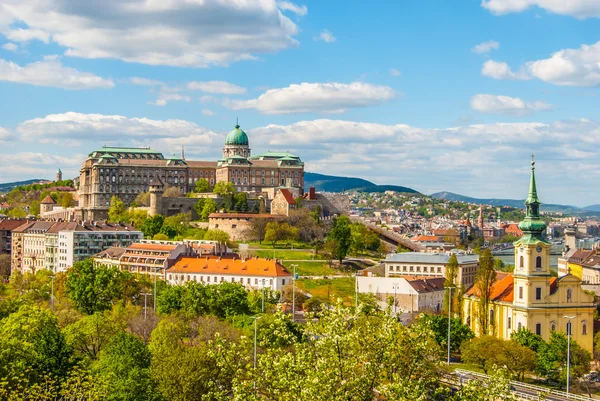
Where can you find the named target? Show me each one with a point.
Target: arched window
(569, 295)
(584, 328)
(519, 326)
(509, 322)
(553, 326)
(521, 261)
(468, 320)
(538, 262)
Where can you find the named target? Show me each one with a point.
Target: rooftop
(233, 266)
(432, 258)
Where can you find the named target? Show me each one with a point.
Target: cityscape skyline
(451, 97)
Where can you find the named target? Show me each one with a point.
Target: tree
(482, 351)
(32, 346)
(143, 199)
(90, 334)
(125, 363)
(496, 388)
(280, 232)
(4, 266)
(528, 339)
(553, 354)
(342, 234)
(484, 281)
(117, 210)
(241, 202)
(172, 192)
(179, 223)
(67, 200)
(94, 288)
(160, 237)
(167, 231)
(34, 207)
(210, 206)
(459, 332)
(202, 186)
(152, 225)
(222, 188)
(217, 235)
(258, 228)
(518, 359)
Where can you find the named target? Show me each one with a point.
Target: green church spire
(533, 226)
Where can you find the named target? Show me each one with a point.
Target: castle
(127, 172)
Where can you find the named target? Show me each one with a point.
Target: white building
(410, 295)
(431, 265)
(253, 273)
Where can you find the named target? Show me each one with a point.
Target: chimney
(311, 193)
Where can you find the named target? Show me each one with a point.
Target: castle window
(569, 295)
(538, 293)
(584, 328)
(519, 326)
(520, 292)
(538, 329)
(521, 261)
(538, 263)
(552, 326)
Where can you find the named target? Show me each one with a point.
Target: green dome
(237, 136)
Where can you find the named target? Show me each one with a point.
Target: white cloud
(165, 97)
(5, 135)
(577, 8)
(144, 81)
(27, 35)
(570, 67)
(26, 165)
(74, 128)
(325, 36)
(208, 113)
(394, 72)
(220, 87)
(10, 47)
(170, 32)
(316, 97)
(51, 72)
(486, 47)
(498, 70)
(288, 6)
(493, 104)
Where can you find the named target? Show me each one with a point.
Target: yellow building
(531, 297)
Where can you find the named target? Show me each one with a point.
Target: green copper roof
(59, 172)
(109, 149)
(275, 156)
(533, 226)
(236, 136)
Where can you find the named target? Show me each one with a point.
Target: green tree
(203, 186)
(528, 339)
(90, 334)
(459, 332)
(4, 266)
(67, 200)
(217, 235)
(241, 202)
(209, 207)
(125, 364)
(34, 208)
(179, 223)
(482, 351)
(553, 354)
(258, 228)
(280, 232)
(94, 288)
(484, 281)
(32, 347)
(518, 359)
(496, 388)
(342, 234)
(168, 231)
(222, 188)
(152, 225)
(117, 210)
(143, 199)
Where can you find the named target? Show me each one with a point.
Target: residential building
(531, 297)
(431, 265)
(110, 257)
(127, 172)
(6, 228)
(283, 202)
(255, 273)
(151, 259)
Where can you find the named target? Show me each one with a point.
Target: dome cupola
(236, 136)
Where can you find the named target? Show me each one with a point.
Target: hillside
(9, 186)
(516, 203)
(593, 208)
(330, 183)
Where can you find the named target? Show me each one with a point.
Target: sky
(434, 95)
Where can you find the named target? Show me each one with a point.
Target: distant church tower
(236, 144)
(481, 217)
(59, 175)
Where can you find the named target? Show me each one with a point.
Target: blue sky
(435, 95)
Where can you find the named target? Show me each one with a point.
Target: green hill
(9, 186)
(330, 183)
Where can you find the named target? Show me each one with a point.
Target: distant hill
(330, 183)
(593, 208)
(9, 186)
(516, 203)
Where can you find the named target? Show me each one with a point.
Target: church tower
(59, 175)
(236, 144)
(532, 254)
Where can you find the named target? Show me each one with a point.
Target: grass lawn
(280, 245)
(287, 254)
(336, 288)
(311, 268)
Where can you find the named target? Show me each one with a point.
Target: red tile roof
(10, 224)
(426, 238)
(151, 247)
(238, 267)
(242, 216)
(48, 201)
(288, 196)
(503, 288)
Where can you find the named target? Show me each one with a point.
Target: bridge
(389, 236)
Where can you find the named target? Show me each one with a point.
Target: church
(531, 297)
(127, 172)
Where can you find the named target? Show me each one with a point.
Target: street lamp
(294, 293)
(449, 315)
(263, 295)
(155, 274)
(568, 350)
(356, 290)
(145, 294)
(395, 286)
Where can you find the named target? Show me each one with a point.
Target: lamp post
(568, 351)
(263, 295)
(294, 293)
(145, 294)
(356, 290)
(395, 286)
(449, 316)
(155, 274)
